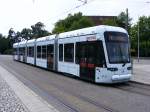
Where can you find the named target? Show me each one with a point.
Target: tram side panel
(41, 58)
(66, 56)
(84, 57)
(30, 55)
(55, 54)
(17, 56)
(25, 57)
(31, 51)
(15, 53)
(45, 54)
(21, 54)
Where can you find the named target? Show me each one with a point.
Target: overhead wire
(70, 10)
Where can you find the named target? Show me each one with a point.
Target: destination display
(116, 37)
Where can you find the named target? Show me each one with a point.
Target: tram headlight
(129, 68)
(112, 69)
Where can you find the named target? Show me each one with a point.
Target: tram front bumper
(121, 77)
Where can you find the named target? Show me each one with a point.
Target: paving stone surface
(141, 71)
(9, 102)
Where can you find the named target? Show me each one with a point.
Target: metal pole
(127, 19)
(138, 40)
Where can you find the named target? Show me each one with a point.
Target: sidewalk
(16, 97)
(141, 71)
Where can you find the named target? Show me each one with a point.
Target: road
(73, 95)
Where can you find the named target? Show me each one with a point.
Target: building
(99, 20)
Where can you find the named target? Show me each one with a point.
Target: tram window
(15, 51)
(32, 51)
(69, 52)
(38, 51)
(23, 51)
(50, 50)
(90, 52)
(99, 55)
(43, 52)
(60, 52)
(50, 53)
(81, 52)
(19, 51)
(29, 51)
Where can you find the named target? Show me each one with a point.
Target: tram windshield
(117, 47)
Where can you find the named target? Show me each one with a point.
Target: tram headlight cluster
(129, 68)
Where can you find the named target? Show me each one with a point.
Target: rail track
(69, 107)
(131, 87)
(134, 87)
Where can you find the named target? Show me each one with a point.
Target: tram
(99, 54)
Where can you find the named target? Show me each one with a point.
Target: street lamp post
(127, 19)
(138, 41)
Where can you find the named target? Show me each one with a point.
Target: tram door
(50, 54)
(19, 54)
(23, 53)
(89, 57)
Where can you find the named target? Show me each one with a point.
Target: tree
(11, 36)
(119, 21)
(26, 33)
(144, 34)
(4, 44)
(1, 36)
(18, 37)
(72, 22)
(111, 22)
(38, 30)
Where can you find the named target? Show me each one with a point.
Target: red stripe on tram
(91, 65)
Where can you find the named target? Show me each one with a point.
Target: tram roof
(31, 41)
(84, 31)
(47, 38)
(15, 45)
(22, 43)
(91, 30)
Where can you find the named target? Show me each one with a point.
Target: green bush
(8, 51)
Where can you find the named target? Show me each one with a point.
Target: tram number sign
(91, 38)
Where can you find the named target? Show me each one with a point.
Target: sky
(19, 14)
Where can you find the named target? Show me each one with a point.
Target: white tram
(99, 54)
(16, 51)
